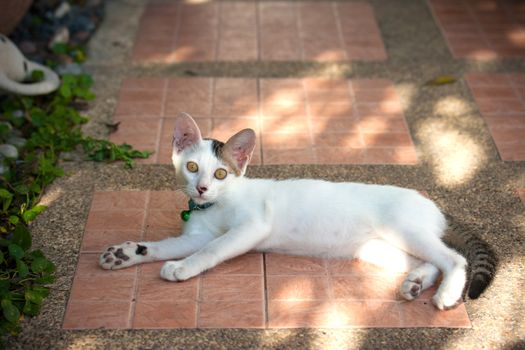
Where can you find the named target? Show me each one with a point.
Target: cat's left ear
(239, 148)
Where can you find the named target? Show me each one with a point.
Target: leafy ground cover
(34, 132)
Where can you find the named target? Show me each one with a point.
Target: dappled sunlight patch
(456, 156)
(451, 106)
(85, 342)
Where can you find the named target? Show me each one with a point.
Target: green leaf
(31, 309)
(39, 265)
(22, 268)
(4, 287)
(60, 48)
(22, 189)
(31, 214)
(22, 237)
(5, 193)
(441, 80)
(65, 91)
(13, 219)
(15, 251)
(11, 312)
(34, 296)
(37, 254)
(6, 197)
(49, 279)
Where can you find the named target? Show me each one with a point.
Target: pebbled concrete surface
(459, 167)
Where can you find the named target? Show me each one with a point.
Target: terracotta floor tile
(368, 314)
(143, 83)
(503, 112)
(164, 200)
(423, 314)
(286, 140)
(231, 314)
(297, 124)
(301, 313)
(231, 288)
(165, 314)
(152, 288)
(277, 264)
(163, 219)
(283, 110)
(276, 31)
(342, 140)
(500, 15)
(97, 314)
(291, 156)
(391, 139)
(143, 109)
(109, 287)
(247, 264)
(131, 219)
(363, 287)
(391, 155)
(340, 155)
(111, 200)
(98, 240)
(331, 109)
(298, 287)
(377, 124)
(511, 151)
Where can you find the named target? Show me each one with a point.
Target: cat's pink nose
(201, 189)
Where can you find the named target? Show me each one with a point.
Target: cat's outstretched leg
(133, 253)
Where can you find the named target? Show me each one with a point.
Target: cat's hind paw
(122, 256)
(410, 289)
(445, 302)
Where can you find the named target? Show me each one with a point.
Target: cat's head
(205, 167)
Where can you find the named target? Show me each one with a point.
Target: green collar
(185, 214)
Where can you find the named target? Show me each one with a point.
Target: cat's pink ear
(239, 148)
(186, 133)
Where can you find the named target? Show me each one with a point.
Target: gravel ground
(459, 167)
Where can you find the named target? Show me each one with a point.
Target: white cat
(231, 215)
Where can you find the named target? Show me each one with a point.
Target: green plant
(38, 129)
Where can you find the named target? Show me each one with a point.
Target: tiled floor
(270, 31)
(501, 101)
(482, 29)
(296, 120)
(251, 291)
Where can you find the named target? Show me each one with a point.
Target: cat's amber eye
(220, 174)
(192, 167)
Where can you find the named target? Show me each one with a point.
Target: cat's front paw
(122, 255)
(175, 271)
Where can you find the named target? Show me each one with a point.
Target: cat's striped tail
(482, 261)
